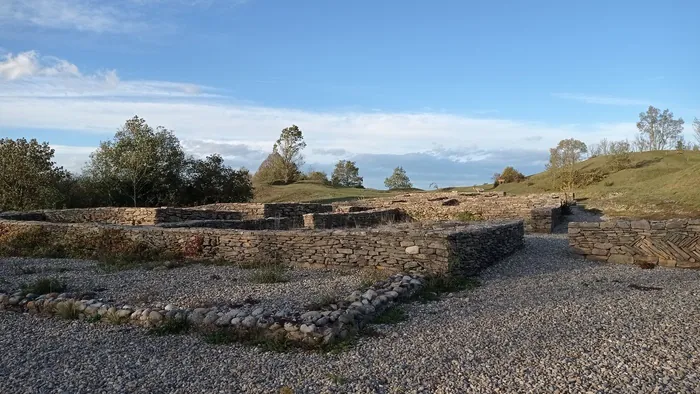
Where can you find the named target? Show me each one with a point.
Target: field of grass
(307, 191)
(658, 184)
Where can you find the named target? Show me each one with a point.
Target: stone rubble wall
(368, 218)
(330, 323)
(403, 247)
(121, 216)
(669, 243)
(541, 212)
(247, 224)
(293, 211)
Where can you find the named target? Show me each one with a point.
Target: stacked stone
(540, 212)
(367, 218)
(333, 321)
(246, 224)
(670, 243)
(382, 248)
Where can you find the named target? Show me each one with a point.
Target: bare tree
(696, 129)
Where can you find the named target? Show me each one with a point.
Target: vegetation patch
(437, 285)
(468, 216)
(273, 273)
(391, 315)
(44, 286)
(68, 310)
(171, 327)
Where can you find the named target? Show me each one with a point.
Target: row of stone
(325, 324)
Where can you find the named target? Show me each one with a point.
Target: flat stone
(155, 316)
(413, 250)
(322, 321)
(122, 313)
(210, 318)
(258, 312)
(311, 316)
(369, 294)
(307, 328)
(249, 321)
(169, 307)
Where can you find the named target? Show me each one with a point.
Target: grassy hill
(658, 184)
(308, 191)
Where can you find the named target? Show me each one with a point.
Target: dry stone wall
(247, 224)
(122, 216)
(429, 248)
(670, 243)
(366, 218)
(540, 212)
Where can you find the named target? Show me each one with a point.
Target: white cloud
(52, 94)
(82, 15)
(603, 100)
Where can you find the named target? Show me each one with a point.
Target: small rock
(307, 328)
(249, 321)
(155, 316)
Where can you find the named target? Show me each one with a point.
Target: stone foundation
(540, 212)
(422, 247)
(269, 210)
(248, 224)
(366, 218)
(669, 243)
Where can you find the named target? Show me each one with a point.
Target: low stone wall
(540, 212)
(366, 218)
(436, 248)
(670, 243)
(122, 216)
(248, 224)
(332, 322)
(269, 210)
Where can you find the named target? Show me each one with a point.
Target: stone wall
(670, 243)
(247, 224)
(433, 248)
(366, 218)
(122, 216)
(540, 212)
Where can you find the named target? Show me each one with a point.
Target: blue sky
(451, 90)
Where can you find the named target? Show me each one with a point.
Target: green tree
(658, 130)
(398, 180)
(346, 174)
(270, 170)
(288, 153)
(511, 175)
(140, 166)
(29, 178)
(562, 163)
(318, 176)
(210, 181)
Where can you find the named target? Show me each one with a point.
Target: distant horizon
(451, 91)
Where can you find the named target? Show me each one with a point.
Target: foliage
(68, 310)
(562, 163)
(511, 175)
(140, 166)
(392, 315)
(210, 181)
(171, 327)
(398, 180)
(468, 216)
(288, 149)
(29, 179)
(270, 170)
(44, 286)
(272, 273)
(318, 176)
(346, 174)
(658, 130)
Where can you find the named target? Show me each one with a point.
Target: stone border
(332, 322)
(669, 243)
(364, 218)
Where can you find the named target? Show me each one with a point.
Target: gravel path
(188, 287)
(543, 321)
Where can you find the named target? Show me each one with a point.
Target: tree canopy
(29, 178)
(346, 174)
(658, 130)
(398, 180)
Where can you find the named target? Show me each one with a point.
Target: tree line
(146, 166)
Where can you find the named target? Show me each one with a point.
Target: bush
(44, 286)
(468, 216)
(273, 273)
(318, 176)
(511, 175)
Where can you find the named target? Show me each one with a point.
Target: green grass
(308, 191)
(392, 315)
(276, 273)
(44, 286)
(436, 286)
(171, 327)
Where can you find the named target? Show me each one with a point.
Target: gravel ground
(188, 287)
(543, 321)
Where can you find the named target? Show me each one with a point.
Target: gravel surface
(543, 321)
(187, 287)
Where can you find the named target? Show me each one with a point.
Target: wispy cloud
(53, 94)
(602, 100)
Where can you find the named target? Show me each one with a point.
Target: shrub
(392, 315)
(511, 175)
(437, 285)
(318, 177)
(67, 310)
(467, 216)
(273, 273)
(171, 327)
(44, 286)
